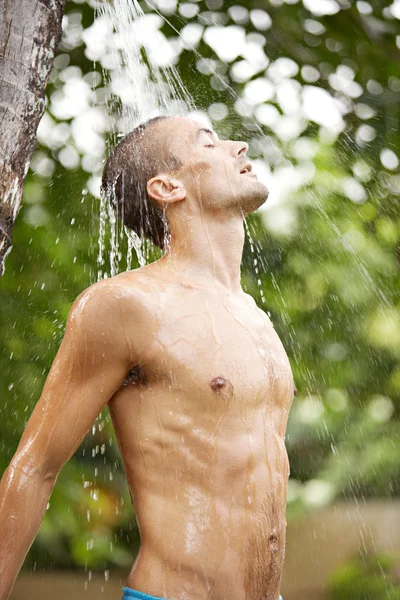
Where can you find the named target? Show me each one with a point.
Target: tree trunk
(30, 31)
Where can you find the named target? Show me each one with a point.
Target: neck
(208, 250)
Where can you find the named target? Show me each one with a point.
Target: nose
(240, 148)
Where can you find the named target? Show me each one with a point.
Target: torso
(201, 426)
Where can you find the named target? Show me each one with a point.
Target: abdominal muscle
(209, 497)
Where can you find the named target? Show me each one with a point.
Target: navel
(273, 542)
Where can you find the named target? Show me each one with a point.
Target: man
(197, 381)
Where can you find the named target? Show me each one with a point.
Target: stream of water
(138, 89)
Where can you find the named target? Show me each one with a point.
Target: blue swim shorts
(129, 594)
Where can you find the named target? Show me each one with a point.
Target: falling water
(138, 89)
(256, 260)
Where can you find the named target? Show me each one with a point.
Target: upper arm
(90, 364)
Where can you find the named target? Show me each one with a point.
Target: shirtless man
(197, 381)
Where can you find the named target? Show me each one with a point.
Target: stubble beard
(254, 198)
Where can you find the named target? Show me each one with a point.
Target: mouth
(247, 168)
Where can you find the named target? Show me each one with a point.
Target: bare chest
(224, 349)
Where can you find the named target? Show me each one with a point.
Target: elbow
(31, 470)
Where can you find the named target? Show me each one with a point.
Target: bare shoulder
(118, 311)
(100, 300)
(110, 298)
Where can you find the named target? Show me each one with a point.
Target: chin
(255, 198)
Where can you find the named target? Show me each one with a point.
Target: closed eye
(210, 146)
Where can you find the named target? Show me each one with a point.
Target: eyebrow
(205, 130)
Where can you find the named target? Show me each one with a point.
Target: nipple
(218, 383)
(294, 390)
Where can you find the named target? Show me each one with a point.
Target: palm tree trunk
(30, 31)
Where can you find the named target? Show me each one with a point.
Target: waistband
(129, 594)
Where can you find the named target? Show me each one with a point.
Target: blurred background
(314, 87)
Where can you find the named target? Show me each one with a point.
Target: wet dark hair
(127, 170)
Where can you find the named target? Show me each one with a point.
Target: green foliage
(366, 578)
(322, 259)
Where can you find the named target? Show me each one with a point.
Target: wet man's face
(216, 173)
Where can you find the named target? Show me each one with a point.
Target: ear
(165, 189)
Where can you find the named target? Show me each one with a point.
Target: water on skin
(212, 439)
(270, 374)
(161, 91)
(198, 521)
